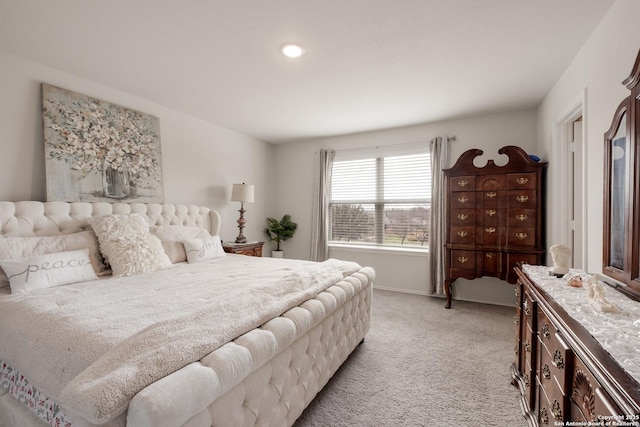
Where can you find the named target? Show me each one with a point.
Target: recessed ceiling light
(292, 50)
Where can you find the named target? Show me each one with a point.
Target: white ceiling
(369, 64)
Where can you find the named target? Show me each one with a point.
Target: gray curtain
(321, 198)
(437, 235)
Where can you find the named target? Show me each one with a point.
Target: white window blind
(381, 196)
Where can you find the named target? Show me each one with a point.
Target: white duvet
(93, 346)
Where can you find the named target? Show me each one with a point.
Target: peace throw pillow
(25, 247)
(202, 249)
(45, 271)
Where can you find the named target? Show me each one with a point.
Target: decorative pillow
(201, 249)
(172, 237)
(24, 247)
(126, 243)
(45, 271)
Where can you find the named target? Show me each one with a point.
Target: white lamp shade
(242, 193)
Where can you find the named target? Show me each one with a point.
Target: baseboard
(410, 291)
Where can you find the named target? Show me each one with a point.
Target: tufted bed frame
(286, 361)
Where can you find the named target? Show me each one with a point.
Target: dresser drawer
(517, 260)
(555, 362)
(521, 181)
(521, 236)
(588, 399)
(553, 407)
(490, 262)
(521, 217)
(490, 235)
(463, 200)
(462, 234)
(491, 199)
(462, 217)
(491, 183)
(462, 183)
(522, 199)
(463, 260)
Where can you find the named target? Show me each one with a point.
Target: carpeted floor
(423, 365)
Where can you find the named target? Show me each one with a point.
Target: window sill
(378, 249)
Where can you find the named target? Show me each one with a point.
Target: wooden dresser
(565, 376)
(494, 219)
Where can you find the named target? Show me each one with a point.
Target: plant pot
(277, 254)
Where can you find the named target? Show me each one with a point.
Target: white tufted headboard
(31, 218)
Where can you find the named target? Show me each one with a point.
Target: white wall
(294, 183)
(200, 160)
(604, 61)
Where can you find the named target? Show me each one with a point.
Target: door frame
(562, 133)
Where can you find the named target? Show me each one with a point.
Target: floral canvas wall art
(98, 151)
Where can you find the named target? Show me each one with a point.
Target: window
(381, 196)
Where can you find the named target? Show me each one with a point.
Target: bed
(223, 340)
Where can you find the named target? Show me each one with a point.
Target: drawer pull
(521, 236)
(522, 199)
(527, 309)
(546, 372)
(490, 230)
(558, 360)
(463, 183)
(556, 411)
(525, 379)
(522, 180)
(544, 416)
(527, 346)
(492, 194)
(489, 255)
(463, 217)
(521, 217)
(516, 320)
(462, 234)
(545, 331)
(463, 259)
(515, 349)
(517, 292)
(491, 212)
(463, 199)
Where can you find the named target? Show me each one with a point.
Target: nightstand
(249, 248)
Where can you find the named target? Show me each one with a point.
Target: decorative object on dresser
(574, 363)
(621, 240)
(242, 193)
(249, 248)
(280, 231)
(494, 216)
(560, 254)
(97, 151)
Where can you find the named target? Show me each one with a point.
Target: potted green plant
(280, 231)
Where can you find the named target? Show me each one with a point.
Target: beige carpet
(423, 365)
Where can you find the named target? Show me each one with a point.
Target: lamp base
(241, 223)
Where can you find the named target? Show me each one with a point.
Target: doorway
(570, 178)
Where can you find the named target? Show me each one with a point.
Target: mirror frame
(629, 274)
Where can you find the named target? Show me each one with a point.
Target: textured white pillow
(201, 249)
(24, 247)
(128, 246)
(45, 271)
(172, 237)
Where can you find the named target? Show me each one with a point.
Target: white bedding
(99, 317)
